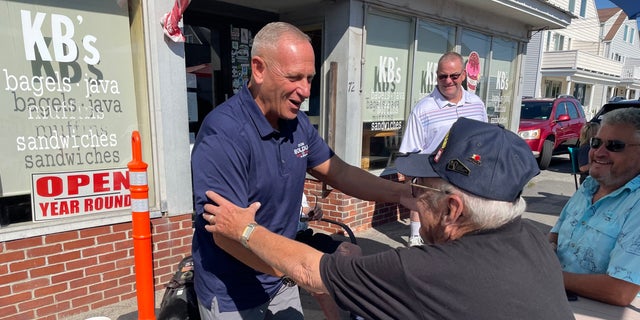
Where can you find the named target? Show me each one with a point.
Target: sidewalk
(546, 194)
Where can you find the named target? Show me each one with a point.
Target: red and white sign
(64, 194)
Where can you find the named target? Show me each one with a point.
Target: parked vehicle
(550, 125)
(614, 105)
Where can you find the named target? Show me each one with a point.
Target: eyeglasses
(415, 193)
(453, 76)
(611, 145)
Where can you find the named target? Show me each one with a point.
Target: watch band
(248, 230)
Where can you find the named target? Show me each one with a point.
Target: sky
(604, 4)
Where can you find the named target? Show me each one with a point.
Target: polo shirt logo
(302, 150)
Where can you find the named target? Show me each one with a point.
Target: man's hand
(226, 218)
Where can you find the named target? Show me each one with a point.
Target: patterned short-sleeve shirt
(603, 237)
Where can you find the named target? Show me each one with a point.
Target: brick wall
(59, 275)
(357, 214)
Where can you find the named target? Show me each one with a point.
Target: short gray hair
(266, 40)
(485, 213)
(624, 116)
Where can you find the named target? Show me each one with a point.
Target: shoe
(415, 241)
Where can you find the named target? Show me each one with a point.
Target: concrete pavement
(546, 194)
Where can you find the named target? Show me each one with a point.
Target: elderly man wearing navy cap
(481, 260)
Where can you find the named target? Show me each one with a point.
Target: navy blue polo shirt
(241, 157)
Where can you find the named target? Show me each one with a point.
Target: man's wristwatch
(248, 230)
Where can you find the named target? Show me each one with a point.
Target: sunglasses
(611, 145)
(415, 193)
(453, 76)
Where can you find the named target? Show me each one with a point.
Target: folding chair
(575, 168)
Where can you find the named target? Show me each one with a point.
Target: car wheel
(545, 155)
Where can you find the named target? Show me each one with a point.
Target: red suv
(550, 125)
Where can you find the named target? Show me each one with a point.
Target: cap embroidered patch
(443, 145)
(456, 165)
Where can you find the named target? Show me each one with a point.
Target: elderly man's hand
(226, 218)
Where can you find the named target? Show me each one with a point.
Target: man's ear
(455, 206)
(454, 221)
(258, 68)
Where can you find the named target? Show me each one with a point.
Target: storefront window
(500, 92)
(71, 106)
(475, 48)
(433, 40)
(384, 87)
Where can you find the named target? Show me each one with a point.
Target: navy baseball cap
(483, 159)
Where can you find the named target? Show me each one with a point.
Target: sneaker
(415, 241)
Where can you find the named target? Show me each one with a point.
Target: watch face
(288, 281)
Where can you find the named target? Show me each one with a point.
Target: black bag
(179, 301)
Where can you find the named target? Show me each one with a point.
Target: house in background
(594, 59)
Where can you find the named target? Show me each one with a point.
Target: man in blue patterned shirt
(598, 233)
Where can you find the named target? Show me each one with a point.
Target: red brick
(117, 291)
(14, 277)
(75, 293)
(80, 243)
(127, 280)
(15, 298)
(102, 286)
(8, 314)
(85, 281)
(12, 256)
(105, 302)
(24, 243)
(121, 245)
(99, 269)
(97, 250)
(115, 274)
(127, 296)
(160, 237)
(125, 263)
(115, 256)
(67, 276)
(168, 244)
(35, 303)
(82, 263)
(113, 237)
(122, 227)
(162, 228)
(43, 250)
(46, 270)
(50, 290)
(93, 232)
(31, 284)
(181, 251)
(180, 233)
(7, 311)
(5, 290)
(61, 237)
(27, 264)
(63, 256)
(86, 300)
(52, 309)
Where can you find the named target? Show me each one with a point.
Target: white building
(594, 59)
